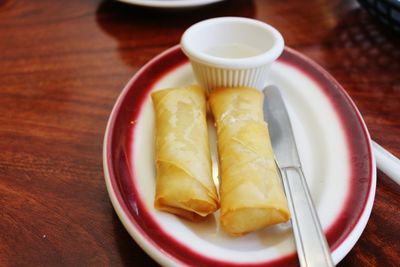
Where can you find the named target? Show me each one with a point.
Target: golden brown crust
(184, 183)
(251, 193)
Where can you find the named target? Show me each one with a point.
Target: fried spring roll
(251, 192)
(184, 183)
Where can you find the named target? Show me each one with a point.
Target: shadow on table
(369, 57)
(364, 43)
(133, 26)
(130, 252)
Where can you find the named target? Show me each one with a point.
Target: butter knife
(312, 248)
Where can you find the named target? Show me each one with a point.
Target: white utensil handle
(312, 248)
(387, 162)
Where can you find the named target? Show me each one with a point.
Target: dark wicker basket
(386, 11)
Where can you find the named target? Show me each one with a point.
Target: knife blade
(311, 244)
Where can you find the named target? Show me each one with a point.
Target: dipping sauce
(233, 50)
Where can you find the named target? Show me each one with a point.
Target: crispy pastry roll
(184, 183)
(251, 192)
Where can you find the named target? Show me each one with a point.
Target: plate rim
(170, 3)
(151, 248)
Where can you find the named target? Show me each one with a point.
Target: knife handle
(312, 248)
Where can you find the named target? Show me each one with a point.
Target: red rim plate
(137, 219)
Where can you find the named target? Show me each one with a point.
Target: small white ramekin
(210, 46)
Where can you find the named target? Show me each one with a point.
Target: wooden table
(62, 66)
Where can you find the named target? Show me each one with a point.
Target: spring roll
(184, 184)
(251, 191)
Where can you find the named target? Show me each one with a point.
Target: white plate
(170, 3)
(334, 146)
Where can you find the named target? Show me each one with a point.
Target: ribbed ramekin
(230, 69)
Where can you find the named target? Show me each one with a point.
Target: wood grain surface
(64, 63)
